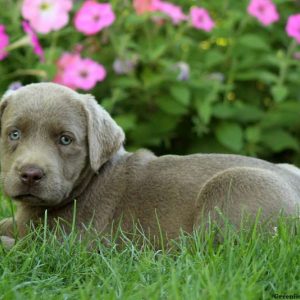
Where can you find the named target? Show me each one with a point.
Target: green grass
(250, 264)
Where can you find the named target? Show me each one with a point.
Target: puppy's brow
(16, 122)
(60, 128)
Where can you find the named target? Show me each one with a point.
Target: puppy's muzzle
(31, 175)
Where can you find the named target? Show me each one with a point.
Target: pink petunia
(4, 41)
(37, 48)
(293, 27)
(173, 11)
(66, 60)
(79, 73)
(93, 17)
(46, 15)
(264, 11)
(143, 6)
(201, 19)
(84, 74)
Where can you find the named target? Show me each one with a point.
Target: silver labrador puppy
(58, 145)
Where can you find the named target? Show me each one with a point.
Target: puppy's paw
(6, 227)
(7, 242)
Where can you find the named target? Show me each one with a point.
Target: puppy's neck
(118, 155)
(88, 174)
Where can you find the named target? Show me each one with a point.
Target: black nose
(31, 175)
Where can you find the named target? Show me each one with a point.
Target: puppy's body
(162, 194)
(171, 191)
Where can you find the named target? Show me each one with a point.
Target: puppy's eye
(14, 135)
(65, 140)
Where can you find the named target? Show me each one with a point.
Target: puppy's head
(50, 136)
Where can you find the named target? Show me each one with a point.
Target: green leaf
(170, 106)
(207, 144)
(230, 135)
(289, 106)
(248, 113)
(284, 114)
(50, 70)
(157, 52)
(151, 79)
(52, 54)
(260, 75)
(152, 49)
(144, 134)
(278, 140)
(223, 111)
(153, 132)
(162, 123)
(253, 41)
(253, 134)
(126, 121)
(181, 94)
(280, 119)
(213, 58)
(279, 92)
(134, 20)
(126, 82)
(204, 110)
(239, 111)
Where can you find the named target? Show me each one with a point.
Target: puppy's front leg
(7, 242)
(7, 227)
(6, 233)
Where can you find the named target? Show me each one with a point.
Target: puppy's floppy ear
(105, 137)
(3, 105)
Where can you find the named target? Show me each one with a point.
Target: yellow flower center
(45, 6)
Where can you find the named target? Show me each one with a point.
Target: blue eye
(15, 135)
(65, 140)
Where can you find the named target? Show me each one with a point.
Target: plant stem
(24, 41)
(230, 55)
(286, 63)
(52, 47)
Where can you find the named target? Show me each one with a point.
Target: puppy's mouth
(33, 200)
(28, 198)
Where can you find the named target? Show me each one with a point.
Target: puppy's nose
(31, 175)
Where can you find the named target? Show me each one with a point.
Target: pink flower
(173, 11)
(79, 73)
(85, 73)
(37, 48)
(200, 19)
(263, 10)
(4, 41)
(93, 17)
(293, 27)
(143, 6)
(46, 15)
(66, 60)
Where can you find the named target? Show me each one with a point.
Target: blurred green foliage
(242, 95)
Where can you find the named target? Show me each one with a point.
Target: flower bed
(181, 78)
